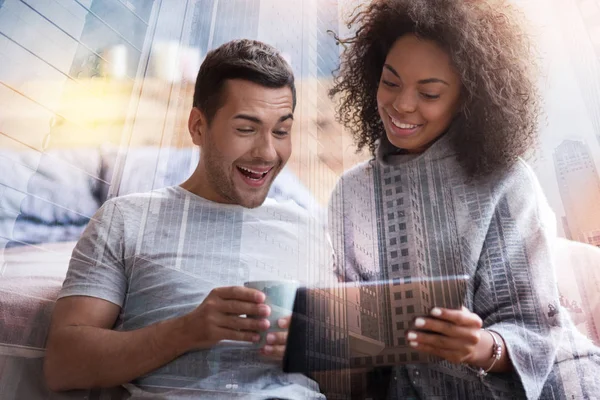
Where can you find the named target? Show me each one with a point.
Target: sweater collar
(389, 155)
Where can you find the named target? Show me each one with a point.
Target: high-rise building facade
(579, 187)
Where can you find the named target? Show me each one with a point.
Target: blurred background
(95, 95)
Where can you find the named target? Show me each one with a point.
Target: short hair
(245, 59)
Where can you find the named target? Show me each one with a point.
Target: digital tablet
(363, 324)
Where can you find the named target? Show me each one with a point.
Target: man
(154, 297)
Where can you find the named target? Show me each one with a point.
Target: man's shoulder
(291, 211)
(135, 200)
(289, 207)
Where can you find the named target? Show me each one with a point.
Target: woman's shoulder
(517, 177)
(523, 193)
(360, 171)
(357, 178)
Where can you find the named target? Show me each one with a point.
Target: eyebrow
(286, 117)
(421, 82)
(258, 121)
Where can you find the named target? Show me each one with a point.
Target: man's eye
(281, 133)
(249, 130)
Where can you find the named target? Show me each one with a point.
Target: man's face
(246, 144)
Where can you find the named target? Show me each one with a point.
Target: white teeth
(262, 174)
(253, 172)
(403, 126)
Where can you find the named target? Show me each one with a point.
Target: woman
(442, 93)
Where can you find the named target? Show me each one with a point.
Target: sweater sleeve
(515, 289)
(341, 221)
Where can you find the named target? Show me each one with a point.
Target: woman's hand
(454, 335)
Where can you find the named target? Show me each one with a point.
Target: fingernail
(411, 336)
(413, 344)
(260, 297)
(282, 322)
(264, 309)
(270, 338)
(268, 349)
(256, 338)
(419, 322)
(436, 312)
(265, 324)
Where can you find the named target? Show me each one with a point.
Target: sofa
(46, 201)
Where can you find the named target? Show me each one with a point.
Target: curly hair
(490, 50)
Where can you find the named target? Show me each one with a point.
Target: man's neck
(198, 185)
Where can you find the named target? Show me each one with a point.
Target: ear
(198, 126)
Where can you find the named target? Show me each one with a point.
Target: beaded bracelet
(496, 355)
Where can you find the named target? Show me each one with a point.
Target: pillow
(47, 196)
(578, 275)
(146, 168)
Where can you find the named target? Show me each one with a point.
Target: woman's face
(418, 94)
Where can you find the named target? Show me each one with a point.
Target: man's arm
(84, 352)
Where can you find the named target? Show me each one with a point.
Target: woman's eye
(281, 133)
(430, 96)
(388, 83)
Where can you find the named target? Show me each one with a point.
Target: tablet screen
(363, 324)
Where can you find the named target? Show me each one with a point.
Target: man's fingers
(284, 322)
(274, 352)
(239, 293)
(242, 336)
(237, 307)
(243, 324)
(275, 347)
(277, 338)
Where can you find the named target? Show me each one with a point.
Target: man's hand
(276, 341)
(455, 335)
(219, 317)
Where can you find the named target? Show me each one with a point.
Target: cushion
(30, 280)
(47, 196)
(578, 274)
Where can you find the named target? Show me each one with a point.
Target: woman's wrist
(490, 354)
(483, 351)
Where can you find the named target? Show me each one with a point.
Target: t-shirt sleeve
(97, 267)
(515, 287)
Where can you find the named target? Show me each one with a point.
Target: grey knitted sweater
(403, 216)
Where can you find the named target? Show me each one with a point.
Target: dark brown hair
(490, 50)
(246, 59)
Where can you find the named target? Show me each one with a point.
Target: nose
(405, 102)
(264, 148)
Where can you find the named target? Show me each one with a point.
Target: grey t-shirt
(157, 255)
